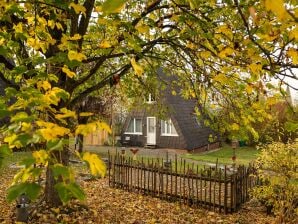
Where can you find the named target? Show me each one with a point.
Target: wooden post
(171, 172)
(197, 188)
(155, 173)
(184, 175)
(210, 187)
(225, 191)
(219, 191)
(141, 171)
(176, 172)
(201, 187)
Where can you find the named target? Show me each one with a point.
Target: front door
(151, 131)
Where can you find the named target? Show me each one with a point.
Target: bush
(278, 170)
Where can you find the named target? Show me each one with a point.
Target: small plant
(278, 170)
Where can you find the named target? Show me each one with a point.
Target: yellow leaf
(54, 95)
(33, 43)
(51, 131)
(205, 54)
(78, 8)
(96, 165)
(26, 127)
(137, 68)
(41, 156)
(142, 28)
(59, 26)
(191, 45)
(2, 40)
(75, 37)
(249, 89)
(74, 55)
(104, 126)
(224, 29)
(51, 24)
(255, 68)
(43, 84)
(86, 114)
(18, 28)
(65, 113)
(69, 73)
(113, 6)
(226, 52)
(221, 78)
(271, 101)
(235, 127)
(294, 55)
(293, 34)
(105, 44)
(12, 141)
(85, 129)
(277, 7)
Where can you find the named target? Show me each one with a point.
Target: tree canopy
(53, 54)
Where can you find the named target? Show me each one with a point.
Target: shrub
(278, 170)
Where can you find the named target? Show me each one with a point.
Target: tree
(53, 54)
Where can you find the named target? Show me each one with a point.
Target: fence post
(226, 190)
(219, 193)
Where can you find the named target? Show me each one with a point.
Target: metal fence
(218, 189)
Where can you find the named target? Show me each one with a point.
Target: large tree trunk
(51, 195)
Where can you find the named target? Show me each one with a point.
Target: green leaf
(4, 151)
(28, 162)
(11, 92)
(4, 113)
(291, 126)
(15, 191)
(113, 6)
(60, 170)
(55, 144)
(31, 190)
(76, 191)
(21, 117)
(63, 192)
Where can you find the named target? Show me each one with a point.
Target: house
(180, 129)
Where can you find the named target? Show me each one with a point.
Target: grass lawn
(244, 155)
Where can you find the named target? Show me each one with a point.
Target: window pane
(131, 126)
(168, 126)
(174, 132)
(162, 127)
(138, 125)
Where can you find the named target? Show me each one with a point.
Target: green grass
(244, 155)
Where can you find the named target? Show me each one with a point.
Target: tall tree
(53, 54)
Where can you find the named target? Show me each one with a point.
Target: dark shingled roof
(195, 134)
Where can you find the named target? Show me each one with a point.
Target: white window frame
(134, 127)
(150, 99)
(166, 123)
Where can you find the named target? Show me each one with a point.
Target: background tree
(53, 54)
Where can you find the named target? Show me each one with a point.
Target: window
(150, 98)
(134, 127)
(167, 128)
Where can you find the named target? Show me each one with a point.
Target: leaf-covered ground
(107, 205)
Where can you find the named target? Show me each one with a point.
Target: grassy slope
(244, 155)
